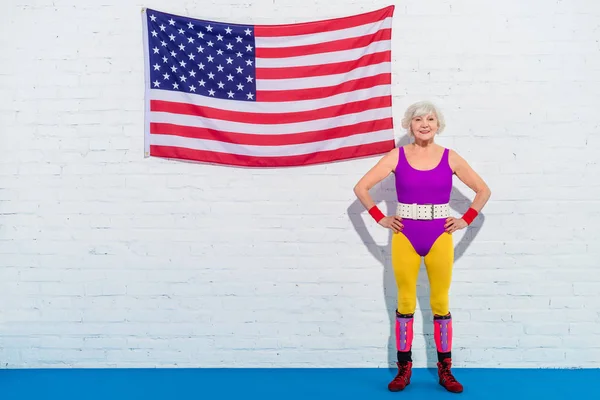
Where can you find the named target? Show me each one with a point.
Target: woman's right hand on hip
(393, 222)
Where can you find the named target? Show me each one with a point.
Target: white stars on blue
(201, 57)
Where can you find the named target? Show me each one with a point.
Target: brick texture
(108, 259)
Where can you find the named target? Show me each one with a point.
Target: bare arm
(469, 177)
(379, 172)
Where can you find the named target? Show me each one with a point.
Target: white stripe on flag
(323, 37)
(322, 81)
(324, 58)
(267, 108)
(271, 151)
(272, 129)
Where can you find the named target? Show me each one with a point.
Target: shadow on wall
(385, 192)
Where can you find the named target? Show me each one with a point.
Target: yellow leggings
(406, 262)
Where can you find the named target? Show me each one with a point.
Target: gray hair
(418, 110)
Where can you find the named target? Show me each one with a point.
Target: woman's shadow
(385, 192)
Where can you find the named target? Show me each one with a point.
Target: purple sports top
(432, 186)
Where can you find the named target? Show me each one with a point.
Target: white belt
(423, 211)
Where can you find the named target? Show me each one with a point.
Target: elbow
(482, 192)
(486, 192)
(358, 190)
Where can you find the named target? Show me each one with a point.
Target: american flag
(268, 95)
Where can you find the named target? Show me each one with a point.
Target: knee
(406, 305)
(439, 305)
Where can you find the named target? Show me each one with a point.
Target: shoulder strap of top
(446, 157)
(401, 156)
(401, 153)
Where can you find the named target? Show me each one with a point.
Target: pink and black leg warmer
(442, 333)
(404, 336)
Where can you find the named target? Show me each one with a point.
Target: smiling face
(424, 127)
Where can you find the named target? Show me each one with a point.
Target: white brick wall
(110, 259)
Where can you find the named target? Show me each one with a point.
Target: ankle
(404, 356)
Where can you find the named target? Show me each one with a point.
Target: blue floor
(289, 384)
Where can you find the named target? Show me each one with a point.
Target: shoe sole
(451, 391)
(398, 390)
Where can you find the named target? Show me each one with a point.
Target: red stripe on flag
(270, 118)
(324, 25)
(324, 69)
(260, 139)
(325, 47)
(322, 92)
(279, 161)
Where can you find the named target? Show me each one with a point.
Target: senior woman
(423, 227)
